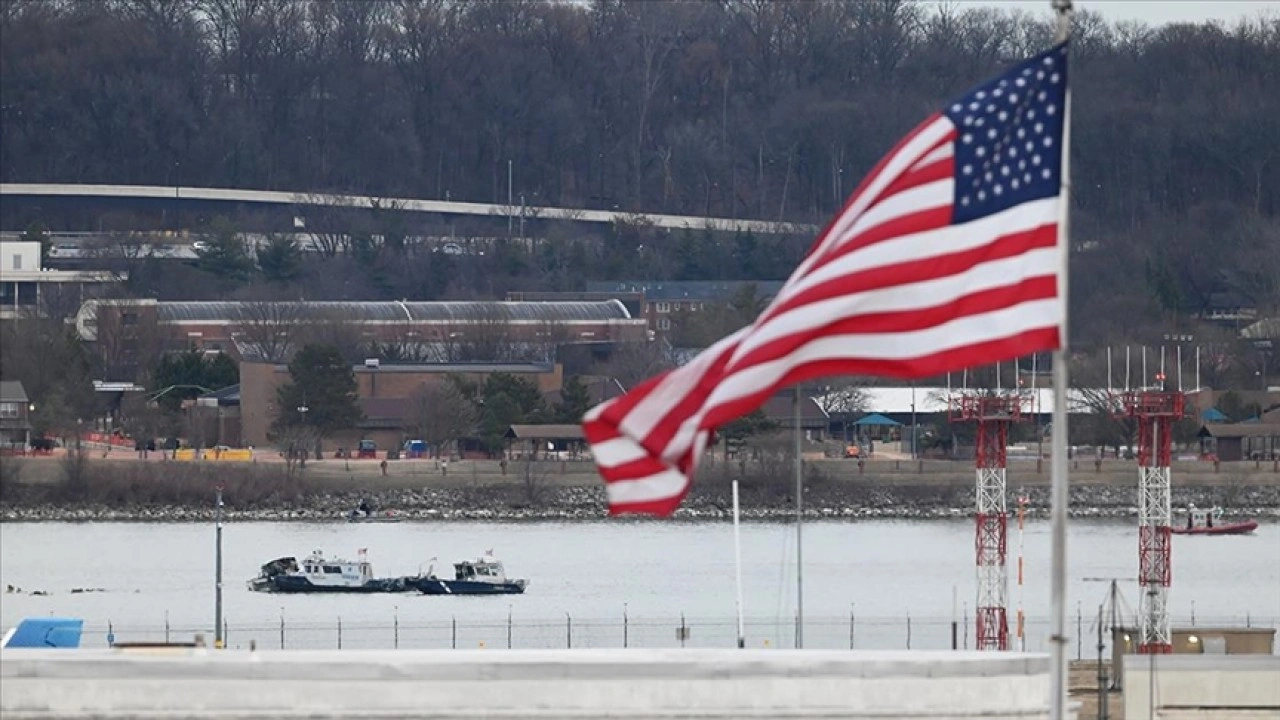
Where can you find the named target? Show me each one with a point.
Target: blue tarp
(877, 419)
(1213, 415)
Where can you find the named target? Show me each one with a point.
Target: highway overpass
(300, 201)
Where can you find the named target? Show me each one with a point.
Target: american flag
(945, 257)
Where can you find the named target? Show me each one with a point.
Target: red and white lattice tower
(1155, 412)
(993, 415)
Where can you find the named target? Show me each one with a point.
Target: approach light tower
(1156, 410)
(993, 415)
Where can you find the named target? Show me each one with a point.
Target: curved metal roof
(410, 312)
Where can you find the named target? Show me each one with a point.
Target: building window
(662, 307)
(8, 410)
(17, 262)
(129, 318)
(664, 323)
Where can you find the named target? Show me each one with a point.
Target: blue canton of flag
(1008, 147)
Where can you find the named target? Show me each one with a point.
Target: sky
(1152, 12)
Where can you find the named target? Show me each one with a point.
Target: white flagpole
(1059, 494)
(795, 404)
(1179, 367)
(1126, 368)
(1108, 370)
(737, 566)
(1197, 368)
(1145, 378)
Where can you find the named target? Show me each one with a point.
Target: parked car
(65, 250)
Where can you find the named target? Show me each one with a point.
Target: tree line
(744, 108)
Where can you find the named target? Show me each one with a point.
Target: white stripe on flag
(928, 136)
(618, 451)
(903, 298)
(659, 486)
(961, 332)
(929, 244)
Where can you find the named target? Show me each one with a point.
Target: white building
(25, 284)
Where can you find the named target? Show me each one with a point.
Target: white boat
(316, 573)
(483, 576)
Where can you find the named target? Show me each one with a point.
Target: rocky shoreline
(572, 504)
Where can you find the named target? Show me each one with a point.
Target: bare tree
(533, 479)
(843, 395)
(634, 362)
(295, 442)
(268, 330)
(327, 218)
(336, 327)
(441, 414)
(481, 332)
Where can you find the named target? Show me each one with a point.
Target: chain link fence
(569, 631)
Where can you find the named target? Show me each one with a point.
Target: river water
(879, 584)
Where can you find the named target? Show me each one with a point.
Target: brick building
(125, 330)
(660, 299)
(385, 394)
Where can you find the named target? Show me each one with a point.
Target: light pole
(302, 410)
(217, 587)
(1264, 349)
(913, 421)
(510, 199)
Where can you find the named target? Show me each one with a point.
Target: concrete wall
(20, 256)
(1196, 641)
(1205, 687)
(524, 684)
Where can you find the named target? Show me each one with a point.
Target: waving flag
(945, 257)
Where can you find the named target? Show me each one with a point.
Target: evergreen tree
(280, 260)
(224, 253)
(575, 401)
(323, 382)
(190, 374)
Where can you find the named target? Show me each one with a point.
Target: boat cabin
(321, 571)
(1201, 518)
(480, 571)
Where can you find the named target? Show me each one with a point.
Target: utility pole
(1102, 671)
(217, 587)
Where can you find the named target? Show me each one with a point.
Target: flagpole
(795, 412)
(737, 566)
(1058, 465)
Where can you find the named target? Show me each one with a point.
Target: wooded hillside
(746, 108)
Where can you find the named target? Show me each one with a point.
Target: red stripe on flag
(915, 271)
(921, 366)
